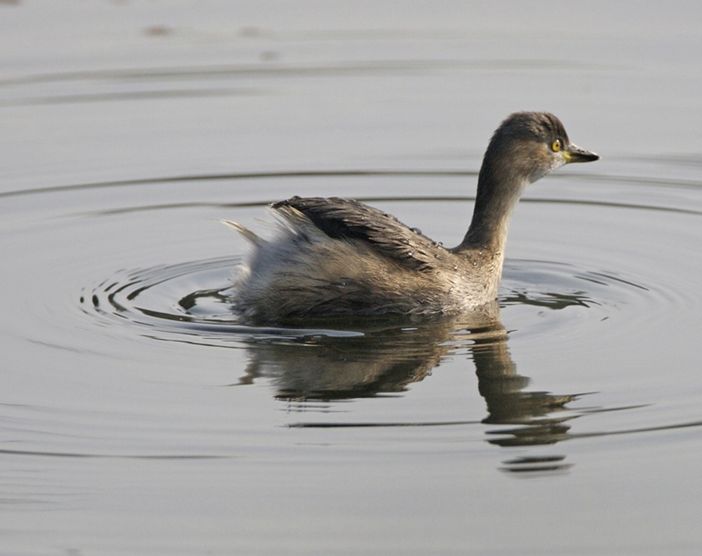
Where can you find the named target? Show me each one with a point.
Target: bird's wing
(348, 219)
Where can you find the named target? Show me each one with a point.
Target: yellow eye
(556, 145)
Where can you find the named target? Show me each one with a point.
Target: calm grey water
(138, 416)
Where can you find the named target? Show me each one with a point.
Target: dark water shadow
(389, 358)
(129, 96)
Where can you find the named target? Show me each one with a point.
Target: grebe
(341, 258)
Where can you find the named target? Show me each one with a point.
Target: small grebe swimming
(336, 257)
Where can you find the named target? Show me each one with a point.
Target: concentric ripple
(189, 302)
(572, 308)
(192, 301)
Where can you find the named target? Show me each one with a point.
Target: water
(139, 416)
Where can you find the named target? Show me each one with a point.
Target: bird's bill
(577, 154)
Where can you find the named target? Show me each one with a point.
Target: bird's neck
(499, 190)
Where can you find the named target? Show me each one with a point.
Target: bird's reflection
(388, 357)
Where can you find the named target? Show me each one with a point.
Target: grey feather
(383, 233)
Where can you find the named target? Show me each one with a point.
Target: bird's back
(346, 219)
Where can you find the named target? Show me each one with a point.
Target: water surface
(139, 415)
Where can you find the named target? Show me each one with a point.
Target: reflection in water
(389, 357)
(380, 358)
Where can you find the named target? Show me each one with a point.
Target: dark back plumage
(351, 220)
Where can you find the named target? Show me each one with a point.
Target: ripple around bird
(158, 269)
